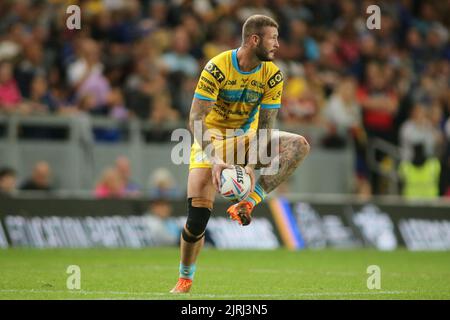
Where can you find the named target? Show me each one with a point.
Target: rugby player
(238, 89)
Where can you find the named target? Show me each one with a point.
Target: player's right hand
(216, 172)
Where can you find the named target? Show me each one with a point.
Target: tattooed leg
(293, 149)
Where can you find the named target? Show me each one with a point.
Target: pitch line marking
(306, 294)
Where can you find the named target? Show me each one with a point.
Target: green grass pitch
(223, 274)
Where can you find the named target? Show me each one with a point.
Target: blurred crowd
(142, 59)
(115, 181)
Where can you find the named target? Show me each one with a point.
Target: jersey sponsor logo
(225, 112)
(213, 70)
(212, 84)
(230, 82)
(252, 97)
(277, 96)
(258, 84)
(204, 87)
(244, 82)
(275, 79)
(246, 96)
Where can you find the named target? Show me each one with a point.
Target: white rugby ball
(235, 183)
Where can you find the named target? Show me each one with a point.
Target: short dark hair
(5, 171)
(254, 25)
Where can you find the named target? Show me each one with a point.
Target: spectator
(379, 103)
(11, 45)
(344, 114)
(299, 45)
(86, 74)
(342, 110)
(142, 86)
(41, 100)
(329, 58)
(32, 66)
(158, 14)
(425, 92)
(191, 23)
(64, 105)
(420, 176)
(418, 129)
(116, 106)
(10, 97)
(162, 226)
(253, 7)
(123, 168)
(178, 58)
(86, 104)
(183, 98)
(40, 179)
(222, 39)
(163, 184)
(8, 181)
(110, 185)
(304, 98)
(162, 110)
(437, 121)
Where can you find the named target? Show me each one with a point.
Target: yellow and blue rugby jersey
(238, 95)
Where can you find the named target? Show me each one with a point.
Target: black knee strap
(196, 223)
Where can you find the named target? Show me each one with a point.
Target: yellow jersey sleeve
(210, 80)
(273, 91)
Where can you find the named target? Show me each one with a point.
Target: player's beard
(262, 53)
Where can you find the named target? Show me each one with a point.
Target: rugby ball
(235, 183)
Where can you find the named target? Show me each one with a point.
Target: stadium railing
(76, 148)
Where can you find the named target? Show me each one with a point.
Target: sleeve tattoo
(267, 118)
(199, 110)
(266, 122)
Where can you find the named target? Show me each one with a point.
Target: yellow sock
(257, 196)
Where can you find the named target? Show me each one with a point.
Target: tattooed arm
(199, 110)
(266, 121)
(267, 118)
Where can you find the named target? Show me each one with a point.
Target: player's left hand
(251, 172)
